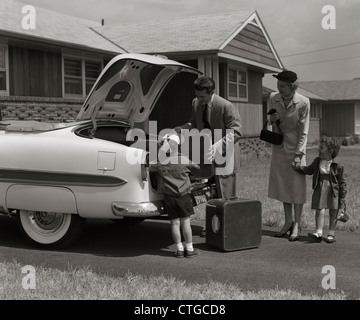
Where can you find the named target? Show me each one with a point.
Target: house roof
(334, 90)
(267, 91)
(237, 36)
(201, 34)
(326, 90)
(194, 33)
(52, 26)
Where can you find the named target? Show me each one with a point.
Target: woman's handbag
(270, 136)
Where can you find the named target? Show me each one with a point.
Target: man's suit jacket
(223, 115)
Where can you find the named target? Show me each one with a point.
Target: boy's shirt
(173, 177)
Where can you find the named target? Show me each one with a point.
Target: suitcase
(233, 224)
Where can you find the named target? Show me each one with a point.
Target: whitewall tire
(49, 229)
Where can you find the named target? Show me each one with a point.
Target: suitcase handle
(232, 198)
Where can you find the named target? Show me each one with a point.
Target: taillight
(145, 168)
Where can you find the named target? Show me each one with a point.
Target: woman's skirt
(286, 184)
(323, 197)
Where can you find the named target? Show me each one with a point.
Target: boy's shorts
(179, 207)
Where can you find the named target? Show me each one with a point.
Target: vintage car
(55, 175)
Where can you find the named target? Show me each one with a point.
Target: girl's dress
(323, 196)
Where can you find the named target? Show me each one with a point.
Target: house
(46, 72)
(233, 48)
(340, 109)
(334, 110)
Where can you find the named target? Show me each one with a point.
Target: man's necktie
(206, 117)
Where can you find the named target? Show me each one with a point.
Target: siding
(338, 119)
(34, 73)
(357, 118)
(314, 131)
(255, 87)
(251, 118)
(251, 44)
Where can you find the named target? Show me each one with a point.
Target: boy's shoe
(179, 254)
(315, 236)
(191, 254)
(330, 239)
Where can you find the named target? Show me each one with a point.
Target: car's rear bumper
(142, 209)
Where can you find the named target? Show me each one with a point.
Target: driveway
(147, 249)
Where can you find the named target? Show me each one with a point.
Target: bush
(356, 138)
(347, 141)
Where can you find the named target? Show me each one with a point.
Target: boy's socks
(331, 233)
(319, 232)
(179, 246)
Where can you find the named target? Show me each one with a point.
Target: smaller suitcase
(233, 224)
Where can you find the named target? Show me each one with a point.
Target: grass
(254, 183)
(83, 284)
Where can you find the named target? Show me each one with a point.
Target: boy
(174, 183)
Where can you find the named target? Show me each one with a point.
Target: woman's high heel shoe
(280, 234)
(297, 237)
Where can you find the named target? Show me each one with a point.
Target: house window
(237, 84)
(80, 75)
(92, 72)
(3, 71)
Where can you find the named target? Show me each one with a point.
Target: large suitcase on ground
(233, 224)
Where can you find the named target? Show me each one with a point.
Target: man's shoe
(191, 254)
(179, 254)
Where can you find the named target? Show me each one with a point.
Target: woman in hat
(290, 116)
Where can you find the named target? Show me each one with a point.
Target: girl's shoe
(315, 236)
(297, 237)
(330, 239)
(280, 234)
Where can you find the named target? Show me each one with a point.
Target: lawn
(84, 284)
(254, 184)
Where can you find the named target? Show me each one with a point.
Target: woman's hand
(274, 117)
(296, 161)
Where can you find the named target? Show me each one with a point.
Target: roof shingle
(334, 90)
(194, 33)
(53, 26)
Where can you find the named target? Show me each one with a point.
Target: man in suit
(210, 111)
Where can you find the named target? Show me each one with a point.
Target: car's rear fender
(41, 198)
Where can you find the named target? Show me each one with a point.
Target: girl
(329, 184)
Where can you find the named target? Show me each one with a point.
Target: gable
(250, 43)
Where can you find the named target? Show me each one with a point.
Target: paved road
(147, 249)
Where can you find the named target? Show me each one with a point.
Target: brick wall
(40, 108)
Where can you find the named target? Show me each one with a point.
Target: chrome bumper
(142, 209)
